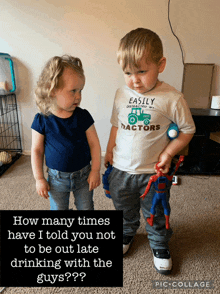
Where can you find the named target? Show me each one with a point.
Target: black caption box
(61, 248)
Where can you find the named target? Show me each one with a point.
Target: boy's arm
(172, 149)
(95, 149)
(110, 146)
(37, 158)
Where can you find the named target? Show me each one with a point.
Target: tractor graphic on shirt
(137, 114)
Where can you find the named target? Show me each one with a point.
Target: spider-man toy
(160, 182)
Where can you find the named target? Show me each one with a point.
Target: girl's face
(68, 93)
(145, 77)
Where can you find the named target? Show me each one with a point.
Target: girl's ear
(53, 93)
(162, 64)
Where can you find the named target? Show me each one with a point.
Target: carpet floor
(195, 245)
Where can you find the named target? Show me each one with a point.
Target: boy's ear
(162, 64)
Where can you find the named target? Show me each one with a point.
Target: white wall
(33, 31)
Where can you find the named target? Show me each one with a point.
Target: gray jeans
(125, 190)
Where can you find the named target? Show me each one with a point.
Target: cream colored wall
(34, 31)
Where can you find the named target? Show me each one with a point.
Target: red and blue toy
(160, 182)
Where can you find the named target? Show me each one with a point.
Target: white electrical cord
(2, 289)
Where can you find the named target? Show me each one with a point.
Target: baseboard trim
(26, 152)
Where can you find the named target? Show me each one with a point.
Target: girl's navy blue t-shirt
(66, 145)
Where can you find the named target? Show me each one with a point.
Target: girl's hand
(42, 187)
(164, 162)
(94, 179)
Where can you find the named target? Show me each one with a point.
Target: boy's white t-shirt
(142, 121)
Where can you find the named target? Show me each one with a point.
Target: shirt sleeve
(87, 120)
(39, 123)
(183, 117)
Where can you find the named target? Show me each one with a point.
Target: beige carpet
(195, 245)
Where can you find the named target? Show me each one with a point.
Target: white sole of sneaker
(163, 266)
(126, 247)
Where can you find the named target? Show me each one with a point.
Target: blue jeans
(125, 190)
(62, 183)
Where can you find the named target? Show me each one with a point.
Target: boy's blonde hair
(137, 43)
(50, 78)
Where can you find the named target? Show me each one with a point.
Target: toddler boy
(142, 112)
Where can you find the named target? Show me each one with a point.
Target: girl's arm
(172, 149)
(111, 145)
(95, 149)
(37, 158)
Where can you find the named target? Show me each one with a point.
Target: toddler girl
(66, 135)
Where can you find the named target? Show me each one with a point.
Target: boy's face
(145, 77)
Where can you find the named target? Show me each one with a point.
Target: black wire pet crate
(10, 138)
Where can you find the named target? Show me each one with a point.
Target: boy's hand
(164, 162)
(94, 179)
(42, 187)
(108, 158)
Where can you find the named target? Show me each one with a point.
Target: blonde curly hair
(50, 78)
(135, 44)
